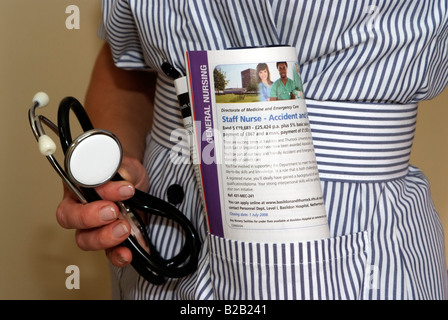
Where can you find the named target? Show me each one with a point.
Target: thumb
(132, 170)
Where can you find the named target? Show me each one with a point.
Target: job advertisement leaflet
(254, 153)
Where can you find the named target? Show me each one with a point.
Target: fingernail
(120, 230)
(126, 191)
(122, 260)
(108, 213)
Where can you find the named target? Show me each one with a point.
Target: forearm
(121, 101)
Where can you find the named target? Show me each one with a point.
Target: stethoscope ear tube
(71, 104)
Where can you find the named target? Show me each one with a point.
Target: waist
(362, 142)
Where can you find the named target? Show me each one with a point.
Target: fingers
(119, 256)
(72, 214)
(132, 170)
(116, 191)
(98, 224)
(105, 237)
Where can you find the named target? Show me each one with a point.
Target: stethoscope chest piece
(93, 158)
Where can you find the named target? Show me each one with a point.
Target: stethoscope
(92, 159)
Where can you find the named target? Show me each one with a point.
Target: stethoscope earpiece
(41, 99)
(47, 146)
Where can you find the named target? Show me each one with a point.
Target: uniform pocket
(332, 268)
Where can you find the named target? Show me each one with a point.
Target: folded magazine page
(251, 145)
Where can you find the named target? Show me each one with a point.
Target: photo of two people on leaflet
(284, 88)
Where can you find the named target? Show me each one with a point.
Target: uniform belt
(363, 142)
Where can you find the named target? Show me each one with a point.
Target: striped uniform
(365, 66)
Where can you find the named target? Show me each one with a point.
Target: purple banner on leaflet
(201, 105)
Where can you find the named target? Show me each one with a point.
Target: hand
(96, 223)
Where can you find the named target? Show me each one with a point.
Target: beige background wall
(38, 53)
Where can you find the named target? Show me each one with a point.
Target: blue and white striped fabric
(365, 66)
